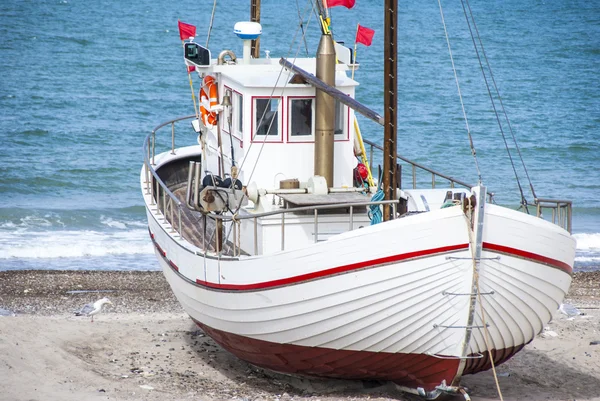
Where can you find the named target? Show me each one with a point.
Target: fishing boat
(281, 243)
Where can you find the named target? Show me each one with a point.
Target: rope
(302, 27)
(469, 219)
(500, 100)
(212, 18)
(462, 104)
(309, 2)
(270, 97)
(375, 213)
(487, 85)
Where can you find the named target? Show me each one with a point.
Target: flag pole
(355, 43)
(189, 75)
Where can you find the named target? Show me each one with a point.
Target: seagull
(569, 310)
(93, 309)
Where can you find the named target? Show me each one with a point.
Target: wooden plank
(328, 199)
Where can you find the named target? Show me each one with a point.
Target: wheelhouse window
(301, 119)
(238, 103)
(266, 117)
(340, 120)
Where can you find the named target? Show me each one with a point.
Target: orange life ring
(208, 99)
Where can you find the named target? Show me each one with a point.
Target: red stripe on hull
(408, 370)
(528, 255)
(335, 270)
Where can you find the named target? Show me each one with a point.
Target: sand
(145, 348)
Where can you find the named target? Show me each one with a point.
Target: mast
(390, 79)
(325, 110)
(255, 17)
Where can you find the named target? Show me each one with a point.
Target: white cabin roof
(266, 73)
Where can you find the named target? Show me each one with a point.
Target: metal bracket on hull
(478, 355)
(477, 259)
(472, 294)
(435, 326)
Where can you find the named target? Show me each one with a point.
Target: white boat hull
(389, 302)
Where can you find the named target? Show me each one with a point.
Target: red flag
(345, 3)
(186, 31)
(364, 35)
(191, 68)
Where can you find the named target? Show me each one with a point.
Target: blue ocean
(82, 83)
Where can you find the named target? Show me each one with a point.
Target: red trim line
(160, 249)
(528, 255)
(173, 265)
(335, 270)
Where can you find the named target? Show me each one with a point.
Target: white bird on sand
(93, 309)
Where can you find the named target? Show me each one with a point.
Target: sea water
(82, 83)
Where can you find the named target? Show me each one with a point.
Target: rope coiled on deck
(375, 210)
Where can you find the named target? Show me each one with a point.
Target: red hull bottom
(406, 370)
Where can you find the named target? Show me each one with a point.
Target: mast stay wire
(270, 97)
(210, 26)
(309, 2)
(500, 100)
(487, 85)
(301, 22)
(473, 152)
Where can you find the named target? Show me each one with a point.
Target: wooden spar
(390, 79)
(333, 92)
(255, 17)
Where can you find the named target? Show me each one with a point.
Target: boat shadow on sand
(530, 373)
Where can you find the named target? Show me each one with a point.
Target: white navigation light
(247, 30)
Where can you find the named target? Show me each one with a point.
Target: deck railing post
(256, 236)
(180, 229)
(164, 204)
(316, 225)
(153, 146)
(414, 171)
(282, 231)
(173, 138)
(351, 218)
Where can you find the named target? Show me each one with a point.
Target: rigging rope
(375, 213)
(523, 199)
(265, 111)
(469, 219)
(302, 27)
(460, 94)
(270, 97)
(212, 18)
(500, 100)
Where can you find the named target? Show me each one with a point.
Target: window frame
(300, 138)
(269, 138)
(239, 135)
(345, 135)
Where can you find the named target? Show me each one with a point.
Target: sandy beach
(144, 347)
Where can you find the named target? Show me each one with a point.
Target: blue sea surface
(82, 83)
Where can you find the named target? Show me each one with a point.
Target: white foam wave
(588, 241)
(125, 224)
(587, 259)
(72, 244)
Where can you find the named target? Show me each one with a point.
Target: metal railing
(415, 167)
(562, 211)
(171, 208)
